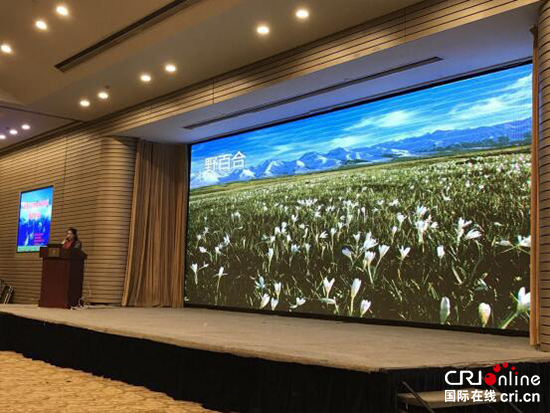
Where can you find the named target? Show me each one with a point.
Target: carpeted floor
(31, 386)
(308, 341)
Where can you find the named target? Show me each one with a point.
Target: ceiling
(205, 39)
(480, 45)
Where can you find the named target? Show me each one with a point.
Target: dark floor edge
(227, 382)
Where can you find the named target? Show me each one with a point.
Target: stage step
(432, 400)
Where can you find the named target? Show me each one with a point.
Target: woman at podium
(71, 240)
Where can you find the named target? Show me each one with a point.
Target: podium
(62, 274)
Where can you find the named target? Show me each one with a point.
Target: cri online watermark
(506, 375)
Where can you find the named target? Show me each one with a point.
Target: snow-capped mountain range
(430, 144)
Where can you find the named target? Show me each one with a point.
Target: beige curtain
(534, 322)
(154, 271)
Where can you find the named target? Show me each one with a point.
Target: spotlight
(263, 29)
(145, 77)
(41, 25)
(6, 48)
(302, 13)
(13, 131)
(62, 10)
(85, 103)
(170, 68)
(103, 95)
(2, 137)
(25, 126)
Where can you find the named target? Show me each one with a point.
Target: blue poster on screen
(35, 217)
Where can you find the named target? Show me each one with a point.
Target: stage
(189, 353)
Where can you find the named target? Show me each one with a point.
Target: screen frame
(21, 193)
(343, 318)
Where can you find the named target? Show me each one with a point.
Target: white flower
(220, 273)
(524, 301)
(333, 231)
(226, 240)
(421, 211)
(505, 243)
(394, 202)
(422, 227)
(369, 257)
(394, 230)
(327, 285)
(203, 250)
(434, 225)
(404, 252)
(365, 305)
(307, 247)
(330, 301)
(383, 249)
(299, 302)
(347, 253)
(195, 268)
(323, 235)
(260, 283)
(472, 234)
(265, 300)
(444, 310)
(357, 236)
(524, 241)
(400, 218)
(440, 251)
(369, 242)
(355, 286)
(294, 248)
(462, 223)
(270, 253)
(278, 287)
(274, 303)
(484, 311)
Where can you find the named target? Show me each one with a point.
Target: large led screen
(35, 217)
(411, 208)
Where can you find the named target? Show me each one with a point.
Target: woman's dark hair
(75, 232)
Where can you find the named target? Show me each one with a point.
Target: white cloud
(390, 120)
(350, 141)
(521, 83)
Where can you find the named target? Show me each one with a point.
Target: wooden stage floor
(350, 346)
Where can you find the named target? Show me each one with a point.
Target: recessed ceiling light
(103, 95)
(302, 13)
(13, 131)
(85, 103)
(25, 126)
(62, 10)
(262, 29)
(145, 77)
(41, 25)
(170, 68)
(2, 136)
(6, 48)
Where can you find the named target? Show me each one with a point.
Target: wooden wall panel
(92, 178)
(543, 75)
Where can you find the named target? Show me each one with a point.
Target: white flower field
(441, 240)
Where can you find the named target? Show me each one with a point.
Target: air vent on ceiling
(125, 33)
(317, 92)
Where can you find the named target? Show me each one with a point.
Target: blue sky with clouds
(486, 100)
